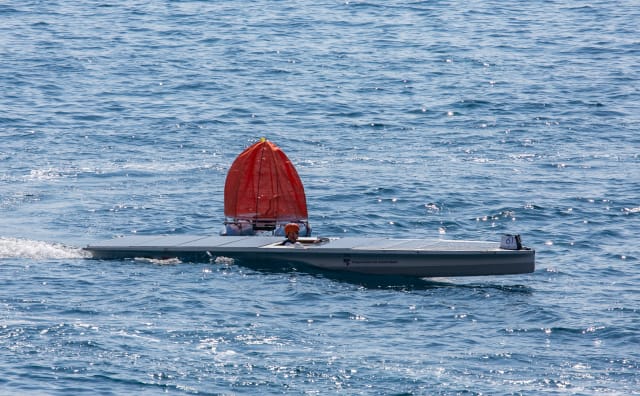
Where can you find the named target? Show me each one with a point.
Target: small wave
(25, 248)
(165, 261)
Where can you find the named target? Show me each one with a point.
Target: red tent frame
(264, 188)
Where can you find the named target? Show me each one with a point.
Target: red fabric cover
(263, 185)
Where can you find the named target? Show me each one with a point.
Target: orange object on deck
(263, 187)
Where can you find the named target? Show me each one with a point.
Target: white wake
(26, 248)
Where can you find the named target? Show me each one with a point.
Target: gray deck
(413, 257)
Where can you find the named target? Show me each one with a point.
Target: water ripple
(421, 119)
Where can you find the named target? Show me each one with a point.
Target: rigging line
(255, 215)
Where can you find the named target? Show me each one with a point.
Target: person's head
(291, 230)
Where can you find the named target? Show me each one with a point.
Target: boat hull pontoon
(379, 256)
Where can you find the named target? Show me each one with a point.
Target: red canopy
(263, 185)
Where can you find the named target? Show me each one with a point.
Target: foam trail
(169, 261)
(25, 248)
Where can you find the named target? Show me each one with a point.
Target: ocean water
(434, 119)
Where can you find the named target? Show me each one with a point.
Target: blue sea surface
(430, 119)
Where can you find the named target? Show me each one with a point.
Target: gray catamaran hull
(379, 256)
